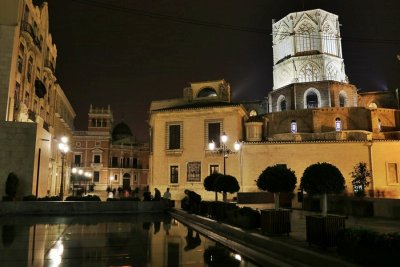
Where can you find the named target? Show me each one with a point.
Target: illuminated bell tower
(308, 66)
(100, 119)
(307, 47)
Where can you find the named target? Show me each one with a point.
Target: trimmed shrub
(12, 185)
(85, 198)
(246, 218)
(124, 199)
(29, 198)
(52, 198)
(369, 248)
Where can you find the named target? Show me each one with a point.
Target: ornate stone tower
(308, 54)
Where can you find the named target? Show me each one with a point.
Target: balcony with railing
(48, 64)
(77, 164)
(26, 27)
(96, 164)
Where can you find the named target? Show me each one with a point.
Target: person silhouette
(192, 241)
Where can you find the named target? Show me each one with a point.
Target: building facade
(314, 115)
(109, 154)
(34, 109)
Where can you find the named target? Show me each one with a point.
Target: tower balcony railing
(26, 27)
(48, 64)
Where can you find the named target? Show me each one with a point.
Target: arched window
(207, 92)
(293, 126)
(338, 125)
(379, 125)
(342, 99)
(312, 100)
(281, 103)
(309, 73)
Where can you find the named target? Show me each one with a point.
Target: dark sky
(127, 53)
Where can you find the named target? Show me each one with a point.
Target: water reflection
(118, 240)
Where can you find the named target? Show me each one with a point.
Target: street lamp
(224, 150)
(64, 148)
(111, 179)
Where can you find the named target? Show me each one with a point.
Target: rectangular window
(115, 177)
(174, 136)
(114, 162)
(29, 72)
(214, 169)
(77, 160)
(135, 163)
(194, 171)
(214, 133)
(96, 159)
(96, 176)
(19, 64)
(173, 174)
(392, 173)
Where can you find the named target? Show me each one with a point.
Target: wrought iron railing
(26, 27)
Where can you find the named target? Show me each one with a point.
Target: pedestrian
(194, 200)
(157, 195)
(167, 194)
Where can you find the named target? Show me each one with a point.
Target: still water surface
(108, 240)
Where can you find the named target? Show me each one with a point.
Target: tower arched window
(338, 124)
(309, 73)
(312, 100)
(281, 103)
(293, 126)
(342, 99)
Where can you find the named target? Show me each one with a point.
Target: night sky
(128, 53)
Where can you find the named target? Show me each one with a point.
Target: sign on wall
(194, 171)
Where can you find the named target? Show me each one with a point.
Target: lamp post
(87, 175)
(78, 176)
(111, 179)
(64, 148)
(224, 150)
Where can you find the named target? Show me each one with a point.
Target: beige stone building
(110, 154)
(34, 110)
(313, 115)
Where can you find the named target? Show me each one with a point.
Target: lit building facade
(313, 115)
(34, 109)
(110, 153)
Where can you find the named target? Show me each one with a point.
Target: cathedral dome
(121, 131)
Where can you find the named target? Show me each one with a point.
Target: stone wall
(80, 207)
(17, 142)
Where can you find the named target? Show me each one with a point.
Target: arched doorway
(126, 181)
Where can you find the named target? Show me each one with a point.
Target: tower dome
(121, 131)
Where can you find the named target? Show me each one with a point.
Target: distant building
(109, 153)
(313, 115)
(34, 110)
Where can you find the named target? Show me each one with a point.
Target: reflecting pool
(108, 240)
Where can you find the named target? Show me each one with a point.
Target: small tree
(12, 185)
(225, 184)
(361, 176)
(276, 179)
(322, 178)
(209, 183)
